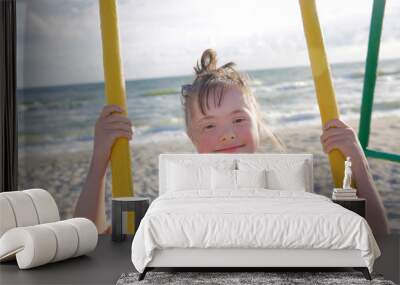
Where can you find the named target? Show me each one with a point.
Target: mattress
(250, 219)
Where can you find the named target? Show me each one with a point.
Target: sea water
(62, 118)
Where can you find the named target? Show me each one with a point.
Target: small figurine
(347, 174)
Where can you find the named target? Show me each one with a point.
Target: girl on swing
(221, 116)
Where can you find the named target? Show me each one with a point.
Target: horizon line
(185, 75)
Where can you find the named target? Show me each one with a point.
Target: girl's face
(228, 128)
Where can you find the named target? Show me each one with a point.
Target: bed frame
(261, 259)
(249, 259)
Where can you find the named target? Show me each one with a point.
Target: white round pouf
(23, 208)
(7, 216)
(87, 234)
(34, 245)
(67, 239)
(46, 207)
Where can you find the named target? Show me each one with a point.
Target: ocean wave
(161, 136)
(387, 105)
(161, 92)
(298, 117)
(255, 82)
(45, 105)
(292, 85)
(380, 73)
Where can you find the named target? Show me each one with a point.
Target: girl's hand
(338, 135)
(109, 127)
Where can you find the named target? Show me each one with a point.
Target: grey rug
(226, 278)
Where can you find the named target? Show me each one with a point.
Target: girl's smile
(231, 149)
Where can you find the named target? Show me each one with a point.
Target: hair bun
(208, 62)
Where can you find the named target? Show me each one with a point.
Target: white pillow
(292, 179)
(223, 179)
(183, 177)
(251, 178)
(282, 174)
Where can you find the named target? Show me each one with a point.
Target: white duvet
(255, 218)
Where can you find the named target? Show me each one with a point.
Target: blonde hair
(210, 79)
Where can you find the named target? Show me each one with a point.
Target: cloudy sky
(59, 41)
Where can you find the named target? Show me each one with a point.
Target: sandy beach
(64, 175)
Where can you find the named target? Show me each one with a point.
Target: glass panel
(59, 95)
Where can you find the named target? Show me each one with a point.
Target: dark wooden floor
(102, 266)
(109, 260)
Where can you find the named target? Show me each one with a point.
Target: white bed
(201, 219)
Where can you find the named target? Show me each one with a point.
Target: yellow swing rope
(122, 185)
(322, 81)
